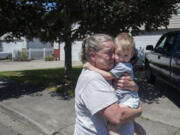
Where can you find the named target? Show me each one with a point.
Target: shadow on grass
(16, 84)
(14, 89)
(33, 81)
(151, 93)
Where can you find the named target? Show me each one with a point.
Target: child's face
(122, 55)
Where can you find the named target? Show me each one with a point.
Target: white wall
(76, 51)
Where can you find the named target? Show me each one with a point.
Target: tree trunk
(68, 59)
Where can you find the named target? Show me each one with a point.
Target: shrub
(49, 58)
(10, 57)
(24, 55)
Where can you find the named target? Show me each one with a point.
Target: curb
(25, 120)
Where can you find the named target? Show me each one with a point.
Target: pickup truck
(163, 60)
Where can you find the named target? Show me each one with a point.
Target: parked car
(5, 55)
(163, 60)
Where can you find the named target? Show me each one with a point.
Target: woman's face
(104, 59)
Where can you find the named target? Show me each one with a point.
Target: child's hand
(87, 65)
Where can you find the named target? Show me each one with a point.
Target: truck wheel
(149, 75)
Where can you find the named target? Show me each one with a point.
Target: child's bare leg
(139, 130)
(112, 129)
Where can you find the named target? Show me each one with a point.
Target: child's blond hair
(125, 41)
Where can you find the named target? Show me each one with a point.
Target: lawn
(46, 78)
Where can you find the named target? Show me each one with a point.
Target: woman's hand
(125, 82)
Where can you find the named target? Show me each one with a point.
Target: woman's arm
(105, 74)
(117, 115)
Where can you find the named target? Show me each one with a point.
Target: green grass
(46, 78)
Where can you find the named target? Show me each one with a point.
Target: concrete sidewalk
(45, 111)
(34, 64)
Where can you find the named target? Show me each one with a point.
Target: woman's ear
(92, 56)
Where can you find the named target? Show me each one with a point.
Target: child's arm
(105, 74)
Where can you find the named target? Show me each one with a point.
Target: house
(6, 48)
(17, 45)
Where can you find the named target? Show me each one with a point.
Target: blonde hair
(125, 41)
(93, 44)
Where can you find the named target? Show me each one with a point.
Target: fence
(39, 53)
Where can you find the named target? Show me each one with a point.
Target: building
(17, 45)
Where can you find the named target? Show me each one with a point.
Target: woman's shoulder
(91, 75)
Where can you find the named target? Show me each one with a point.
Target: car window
(166, 44)
(161, 43)
(178, 48)
(177, 54)
(170, 43)
(0, 47)
(178, 51)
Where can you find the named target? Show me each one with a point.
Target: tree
(20, 17)
(70, 20)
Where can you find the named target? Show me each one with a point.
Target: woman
(95, 103)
